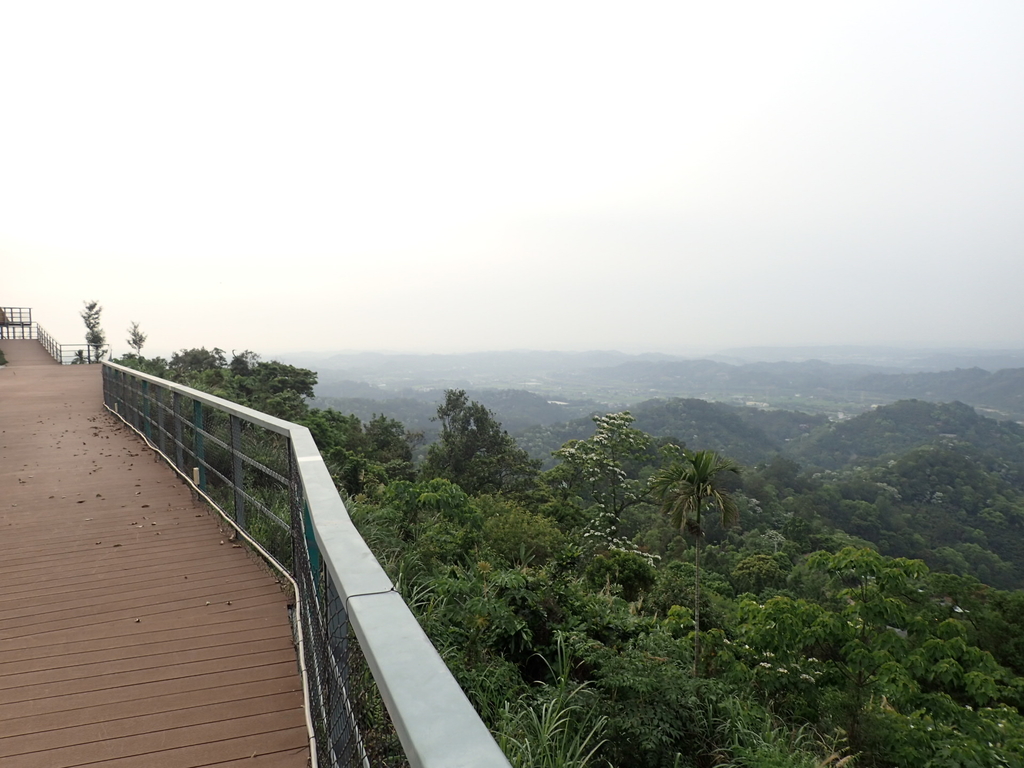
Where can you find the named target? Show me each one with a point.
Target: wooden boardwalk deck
(132, 631)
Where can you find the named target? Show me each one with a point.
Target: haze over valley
(526, 388)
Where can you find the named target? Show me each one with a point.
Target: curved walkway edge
(133, 631)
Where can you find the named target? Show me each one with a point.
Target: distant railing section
(17, 323)
(379, 693)
(68, 354)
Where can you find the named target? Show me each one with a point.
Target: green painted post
(161, 432)
(238, 471)
(147, 428)
(311, 545)
(296, 507)
(179, 440)
(200, 448)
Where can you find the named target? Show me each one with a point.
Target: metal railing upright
(378, 692)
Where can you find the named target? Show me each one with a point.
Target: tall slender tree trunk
(696, 607)
(696, 591)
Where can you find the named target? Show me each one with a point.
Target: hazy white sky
(481, 176)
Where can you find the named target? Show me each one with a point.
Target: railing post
(133, 406)
(238, 470)
(147, 428)
(161, 433)
(162, 420)
(311, 545)
(295, 504)
(199, 447)
(179, 446)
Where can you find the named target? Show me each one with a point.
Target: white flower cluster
(795, 667)
(601, 533)
(890, 490)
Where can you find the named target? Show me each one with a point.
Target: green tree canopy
(94, 334)
(196, 360)
(136, 338)
(474, 451)
(598, 471)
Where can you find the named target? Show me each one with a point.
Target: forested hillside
(517, 409)
(849, 594)
(1000, 391)
(750, 435)
(895, 429)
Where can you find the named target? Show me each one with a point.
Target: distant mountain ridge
(894, 359)
(1002, 391)
(615, 380)
(751, 377)
(905, 359)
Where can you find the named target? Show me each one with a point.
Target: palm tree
(685, 488)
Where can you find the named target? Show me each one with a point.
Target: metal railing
(68, 354)
(379, 693)
(17, 323)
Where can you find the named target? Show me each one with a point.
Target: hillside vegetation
(866, 608)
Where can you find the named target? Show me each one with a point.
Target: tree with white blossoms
(773, 538)
(596, 469)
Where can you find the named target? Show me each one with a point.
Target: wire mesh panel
(353, 727)
(262, 493)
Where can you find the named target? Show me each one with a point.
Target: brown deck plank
(121, 710)
(277, 749)
(163, 688)
(49, 657)
(125, 655)
(138, 724)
